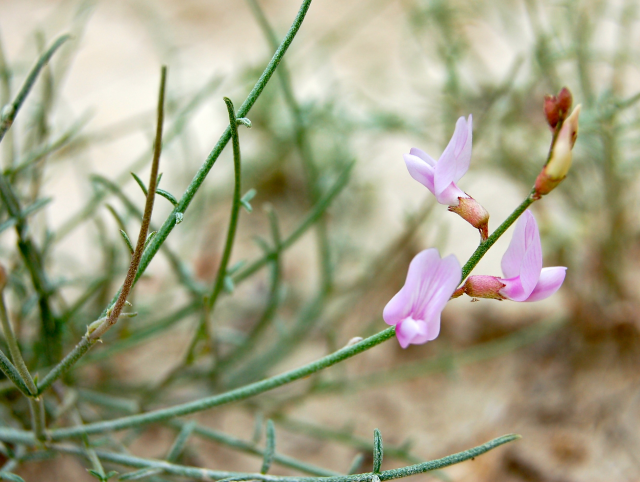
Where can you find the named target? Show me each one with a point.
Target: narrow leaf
(270, 448)
(229, 286)
(168, 196)
(140, 474)
(127, 240)
(116, 216)
(10, 476)
(140, 183)
(236, 266)
(152, 235)
(377, 451)
(249, 195)
(36, 206)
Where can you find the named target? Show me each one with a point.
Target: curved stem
(233, 225)
(207, 474)
(241, 393)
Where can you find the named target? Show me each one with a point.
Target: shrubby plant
(42, 415)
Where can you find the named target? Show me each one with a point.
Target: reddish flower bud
(471, 211)
(565, 101)
(557, 107)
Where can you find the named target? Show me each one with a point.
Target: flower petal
(450, 195)
(513, 289)
(454, 161)
(523, 257)
(408, 330)
(420, 170)
(423, 155)
(550, 281)
(398, 307)
(439, 280)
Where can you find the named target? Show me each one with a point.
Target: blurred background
(364, 82)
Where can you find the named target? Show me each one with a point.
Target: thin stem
(14, 349)
(304, 148)
(230, 396)
(146, 220)
(66, 363)
(36, 407)
(267, 316)
(253, 449)
(200, 176)
(218, 284)
(51, 328)
(490, 241)
(12, 374)
(206, 474)
(10, 111)
(5, 98)
(311, 218)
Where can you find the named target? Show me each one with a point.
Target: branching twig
(146, 220)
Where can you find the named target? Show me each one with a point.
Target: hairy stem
(146, 220)
(198, 473)
(490, 241)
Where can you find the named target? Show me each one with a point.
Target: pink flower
(524, 277)
(441, 177)
(415, 309)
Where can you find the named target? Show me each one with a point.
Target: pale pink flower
(524, 277)
(415, 309)
(441, 176)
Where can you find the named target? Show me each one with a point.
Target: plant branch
(14, 349)
(10, 111)
(490, 241)
(195, 184)
(198, 473)
(146, 220)
(227, 397)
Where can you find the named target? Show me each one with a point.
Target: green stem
(200, 176)
(36, 407)
(10, 111)
(66, 363)
(490, 241)
(206, 474)
(304, 148)
(253, 449)
(12, 374)
(230, 396)
(311, 218)
(14, 349)
(233, 224)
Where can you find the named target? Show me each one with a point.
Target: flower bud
(561, 156)
(484, 286)
(471, 211)
(557, 107)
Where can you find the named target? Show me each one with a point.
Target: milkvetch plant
(237, 365)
